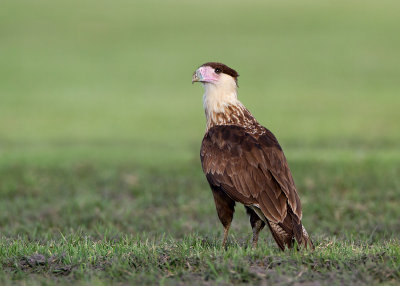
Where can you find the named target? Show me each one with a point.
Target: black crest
(223, 68)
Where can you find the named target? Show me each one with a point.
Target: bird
(244, 163)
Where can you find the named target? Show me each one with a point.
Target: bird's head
(216, 74)
(220, 84)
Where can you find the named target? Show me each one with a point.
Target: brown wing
(251, 171)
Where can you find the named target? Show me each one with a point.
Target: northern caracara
(243, 162)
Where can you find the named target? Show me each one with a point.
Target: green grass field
(100, 131)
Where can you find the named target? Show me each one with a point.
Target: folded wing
(252, 169)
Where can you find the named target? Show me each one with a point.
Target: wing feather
(250, 169)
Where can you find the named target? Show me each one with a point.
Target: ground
(100, 131)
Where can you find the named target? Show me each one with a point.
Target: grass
(100, 223)
(100, 179)
(195, 261)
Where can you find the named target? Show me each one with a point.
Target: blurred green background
(85, 80)
(100, 131)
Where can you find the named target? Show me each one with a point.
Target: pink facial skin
(207, 74)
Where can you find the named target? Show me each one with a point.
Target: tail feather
(280, 236)
(287, 231)
(307, 240)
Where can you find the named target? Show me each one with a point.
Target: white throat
(218, 96)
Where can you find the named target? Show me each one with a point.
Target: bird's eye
(217, 70)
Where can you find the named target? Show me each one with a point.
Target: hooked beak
(197, 76)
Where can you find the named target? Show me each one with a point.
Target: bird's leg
(256, 224)
(257, 227)
(225, 208)
(226, 230)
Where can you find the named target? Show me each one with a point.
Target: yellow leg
(257, 227)
(226, 230)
